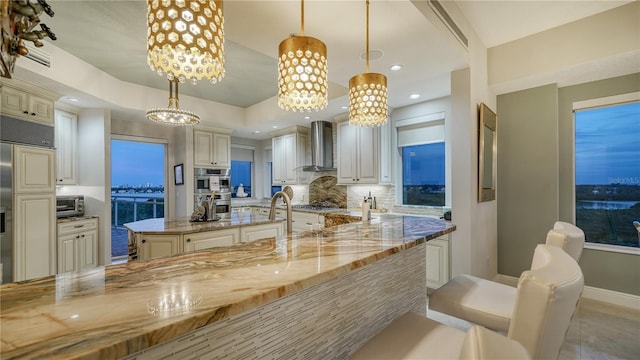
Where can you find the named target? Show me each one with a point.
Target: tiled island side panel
(328, 321)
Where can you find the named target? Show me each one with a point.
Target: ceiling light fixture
(395, 67)
(414, 96)
(368, 95)
(172, 114)
(185, 39)
(302, 72)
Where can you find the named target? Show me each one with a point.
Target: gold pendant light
(368, 95)
(172, 114)
(185, 39)
(302, 73)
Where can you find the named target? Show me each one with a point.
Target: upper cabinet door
(34, 170)
(66, 148)
(203, 148)
(222, 150)
(347, 136)
(27, 102)
(367, 155)
(211, 150)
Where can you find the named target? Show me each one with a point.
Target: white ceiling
(111, 35)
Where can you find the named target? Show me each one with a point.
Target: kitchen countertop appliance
(69, 206)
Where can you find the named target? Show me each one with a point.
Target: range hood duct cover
(321, 147)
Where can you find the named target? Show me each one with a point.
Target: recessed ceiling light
(414, 96)
(395, 67)
(344, 107)
(275, 126)
(72, 99)
(257, 132)
(307, 117)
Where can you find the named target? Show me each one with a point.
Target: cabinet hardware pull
(144, 241)
(82, 235)
(188, 240)
(78, 226)
(33, 114)
(77, 236)
(25, 112)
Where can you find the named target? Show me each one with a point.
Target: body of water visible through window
(137, 188)
(607, 170)
(423, 174)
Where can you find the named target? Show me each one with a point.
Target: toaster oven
(69, 206)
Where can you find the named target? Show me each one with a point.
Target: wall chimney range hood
(321, 147)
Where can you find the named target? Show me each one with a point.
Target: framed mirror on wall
(487, 153)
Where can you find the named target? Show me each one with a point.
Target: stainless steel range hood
(321, 147)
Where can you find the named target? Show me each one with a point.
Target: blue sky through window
(136, 163)
(423, 164)
(608, 145)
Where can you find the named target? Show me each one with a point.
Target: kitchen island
(153, 238)
(316, 294)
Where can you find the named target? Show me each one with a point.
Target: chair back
(546, 299)
(567, 236)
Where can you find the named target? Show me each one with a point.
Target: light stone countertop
(184, 226)
(112, 311)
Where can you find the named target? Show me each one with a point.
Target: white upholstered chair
(489, 303)
(546, 300)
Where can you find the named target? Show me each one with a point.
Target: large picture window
(423, 172)
(607, 173)
(422, 157)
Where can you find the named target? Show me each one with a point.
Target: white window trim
(592, 104)
(433, 117)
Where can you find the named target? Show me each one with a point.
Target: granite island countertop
(181, 226)
(113, 311)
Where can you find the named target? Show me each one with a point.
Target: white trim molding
(590, 292)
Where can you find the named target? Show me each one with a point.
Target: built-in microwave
(207, 180)
(69, 206)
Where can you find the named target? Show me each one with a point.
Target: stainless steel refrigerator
(20, 132)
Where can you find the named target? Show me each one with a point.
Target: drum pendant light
(302, 72)
(368, 95)
(185, 39)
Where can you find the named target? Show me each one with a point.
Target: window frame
(594, 104)
(427, 119)
(252, 168)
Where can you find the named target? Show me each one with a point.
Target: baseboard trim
(590, 292)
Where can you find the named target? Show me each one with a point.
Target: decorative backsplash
(323, 191)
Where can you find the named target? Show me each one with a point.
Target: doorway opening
(138, 179)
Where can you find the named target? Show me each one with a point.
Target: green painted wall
(535, 178)
(527, 188)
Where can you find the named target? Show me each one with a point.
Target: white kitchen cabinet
(438, 262)
(211, 150)
(77, 245)
(33, 170)
(153, 246)
(34, 236)
(263, 231)
(357, 154)
(304, 221)
(27, 102)
(210, 239)
(66, 148)
(290, 153)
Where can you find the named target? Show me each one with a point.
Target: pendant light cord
(367, 50)
(302, 17)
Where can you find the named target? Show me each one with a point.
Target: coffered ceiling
(111, 35)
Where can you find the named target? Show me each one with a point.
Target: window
(423, 174)
(241, 170)
(137, 186)
(607, 173)
(422, 151)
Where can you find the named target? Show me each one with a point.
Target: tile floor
(598, 331)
